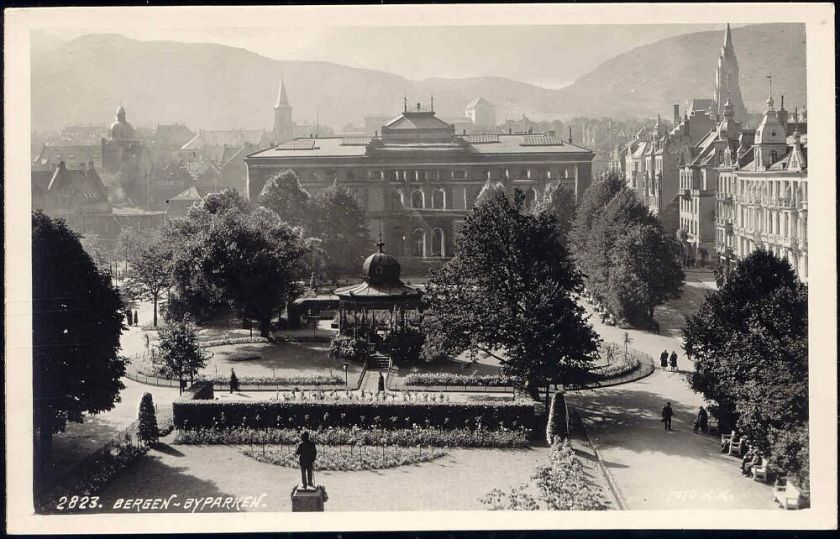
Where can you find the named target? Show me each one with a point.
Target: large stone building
(762, 196)
(418, 179)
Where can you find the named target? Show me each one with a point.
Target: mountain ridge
(213, 86)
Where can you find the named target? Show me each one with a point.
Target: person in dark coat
(673, 360)
(702, 422)
(663, 359)
(381, 387)
(307, 453)
(667, 414)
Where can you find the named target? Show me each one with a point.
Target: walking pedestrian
(135, 318)
(702, 422)
(307, 453)
(381, 387)
(667, 414)
(673, 360)
(663, 359)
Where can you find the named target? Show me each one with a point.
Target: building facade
(419, 179)
(763, 193)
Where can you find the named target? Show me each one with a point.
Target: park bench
(737, 447)
(725, 440)
(714, 425)
(761, 471)
(787, 495)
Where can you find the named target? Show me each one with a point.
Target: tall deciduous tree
(628, 262)
(750, 341)
(149, 269)
(180, 351)
(255, 258)
(341, 227)
(77, 321)
(559, 201)
(284, 195)
(511, 287)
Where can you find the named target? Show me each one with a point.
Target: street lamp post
(346, 386)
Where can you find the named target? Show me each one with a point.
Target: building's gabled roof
(231, 137)
(83, 182)
(416, 120)
(700, 105)
(190, 195)
(476, 102)
(71, 155)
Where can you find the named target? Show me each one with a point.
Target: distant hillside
(216, 87)
(653, 77)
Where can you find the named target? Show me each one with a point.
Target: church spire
(282, 98)
(727, 39)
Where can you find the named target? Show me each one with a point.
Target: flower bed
(619, 368)
(347, 458)
(232, 340)
(336, 410)
(393, 432)
(91, 475)
(454, 379)
(243, 356)
(145, 367)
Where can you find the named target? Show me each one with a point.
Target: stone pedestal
(309, 499)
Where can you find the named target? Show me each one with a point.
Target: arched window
(439, 199)
(398, 242)
(418, 243)
(438, 248)
(417, 199)
(530, 198)
(397, 199)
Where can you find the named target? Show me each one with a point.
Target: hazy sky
(548, 56)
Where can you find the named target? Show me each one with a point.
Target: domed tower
(727, 77)
(283, 128)
(121, 130)
(728, 128)
(770, 138)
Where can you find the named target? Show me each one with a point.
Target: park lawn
(453, 482)
(280, 359)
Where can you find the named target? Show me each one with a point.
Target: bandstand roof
(381, 283)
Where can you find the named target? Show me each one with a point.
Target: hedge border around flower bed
(362, 460)
(264, 414)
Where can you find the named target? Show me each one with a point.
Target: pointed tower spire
(282, 98)
(727, 39)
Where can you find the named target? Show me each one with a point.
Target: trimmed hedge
(233, 340)
(556, 428)
(309, 414)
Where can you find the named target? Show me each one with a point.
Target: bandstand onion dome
(381, 274)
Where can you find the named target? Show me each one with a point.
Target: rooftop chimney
(61, 165)
(570, 134)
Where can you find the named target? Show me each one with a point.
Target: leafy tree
(224, 201)
(180, 351)
(194, 293)
(511, 287)
(149, 269)
(284, 195)
(750, 341)
(628, 262)
(255, 258)
(147, 428)
(644, 271)
(559, 201)
(92, 245)
(487, 191)
(77, 321)
(341, 227)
